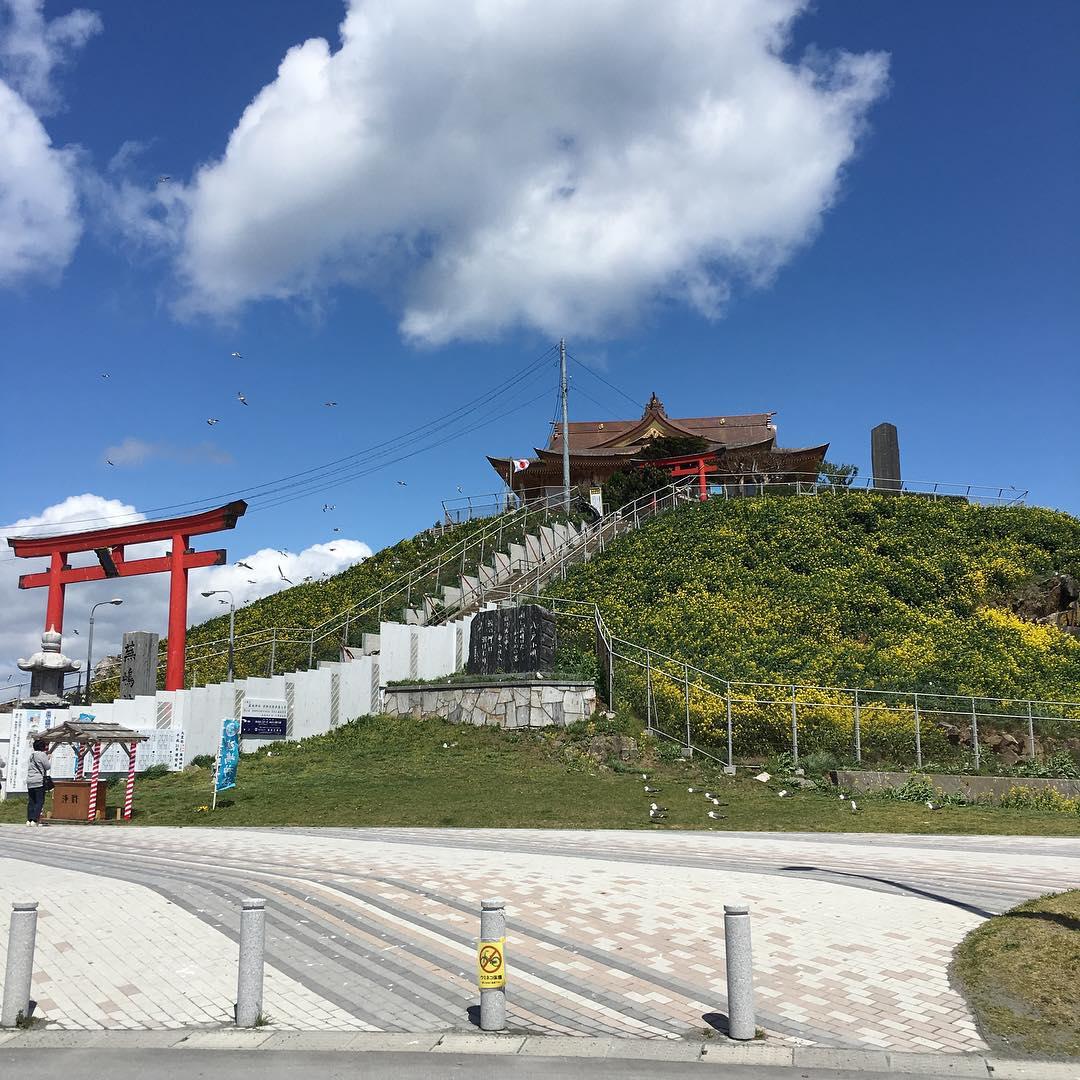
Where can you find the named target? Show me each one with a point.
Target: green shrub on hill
(854, 589)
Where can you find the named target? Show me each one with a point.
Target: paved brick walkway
(610, 933)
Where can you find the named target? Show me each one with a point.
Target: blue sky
(933, 284)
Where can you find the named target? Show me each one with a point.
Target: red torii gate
(108, 545)
(690, 465)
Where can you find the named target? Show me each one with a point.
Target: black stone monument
(516, 639)
(885, 457)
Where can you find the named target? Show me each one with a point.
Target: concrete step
(501, 562)
(430, 604)
(414, 617)
(518, 558)
(533, 552)
(549, 542)
(470, 587)
(488, 575)
(451, 596)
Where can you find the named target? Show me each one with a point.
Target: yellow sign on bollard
(491, 964)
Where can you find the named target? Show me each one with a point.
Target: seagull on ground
(929, 804)
(651, 790)
(782, 794)
(236, 356)
(715, 816)
(282, 575)
(656, 815)
(708, 794)
(245, 565)
(715, 801)
(240, 397)
(854, 808)
(644, 777)
(213, 420)
(690, 790)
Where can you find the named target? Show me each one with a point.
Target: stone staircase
(542, 555)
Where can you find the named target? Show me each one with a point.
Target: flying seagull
(285, 553)
(213, 420)
(252, 581)
(336, 529)
(402, 483)
(282, 576)
(328, 506)
(236, 356)
(330, 404)
(163, 179)
(75, 632)
(245, 566)
(112, 463)
(240, 397)
(459, 489)
(106, 375)
(223, 601)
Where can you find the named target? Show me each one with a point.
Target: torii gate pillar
(108, 545)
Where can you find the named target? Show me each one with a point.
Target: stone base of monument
(520, 703)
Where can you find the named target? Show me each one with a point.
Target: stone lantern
(47, 670)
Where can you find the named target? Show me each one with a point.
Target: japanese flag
(519, 464)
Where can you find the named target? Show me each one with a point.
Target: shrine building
(740, 448)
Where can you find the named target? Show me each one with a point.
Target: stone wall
(973, 788)
(534, 704)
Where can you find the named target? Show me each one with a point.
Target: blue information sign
(228, 755)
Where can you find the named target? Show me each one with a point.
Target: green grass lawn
(1019, 973)
(381, 771)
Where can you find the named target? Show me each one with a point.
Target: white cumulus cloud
(133, 451)
(558, 165)
(146, 599)
(40, 223)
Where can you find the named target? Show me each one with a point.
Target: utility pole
(565, 427)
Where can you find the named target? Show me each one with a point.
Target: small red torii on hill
(687, 465)
(108, 545)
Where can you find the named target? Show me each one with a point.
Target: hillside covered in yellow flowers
(851, 589)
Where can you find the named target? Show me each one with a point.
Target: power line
(274, 486)
(597, 375)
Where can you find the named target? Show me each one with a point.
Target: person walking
(38, 781)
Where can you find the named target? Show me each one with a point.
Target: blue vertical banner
(228, 755)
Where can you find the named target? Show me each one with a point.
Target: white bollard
(740, 973)
(20, 963)
(249, 982)
(491, 965)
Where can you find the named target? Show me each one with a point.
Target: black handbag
(48, 784)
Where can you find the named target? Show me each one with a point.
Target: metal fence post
(740, 972)
(1031, 733)
(610, 675)
(686, 691)
(491, 965)
(858, 732)
(794, 728)
(311, 650)
(273, 651)
(918, 735)
(974, 733)
(648, 690)
(249, 980)
(730, 757)
(19, 968)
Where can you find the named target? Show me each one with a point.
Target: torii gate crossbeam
(109, 545)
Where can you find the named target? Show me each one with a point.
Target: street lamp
(116, 602)
(232, 614)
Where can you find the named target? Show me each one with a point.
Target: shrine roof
(85, 731)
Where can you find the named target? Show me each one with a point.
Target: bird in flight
(236, 356)
(285, 553)
(282, 575)
(112, 463)
(163, 179)
(213, 420)
(308, 578)
(330, 404)
(245, 566)
(402, 483)
(331, 549)
(240, 397)
(336, 529)
(252, 581)
(75, 632)
(223, 601)
(328, 506)
(459, 489)
(106, 375)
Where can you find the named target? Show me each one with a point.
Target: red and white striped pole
(79, 751)
(129, 791)
(91, 813)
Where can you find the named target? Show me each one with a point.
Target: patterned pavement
(610, 933)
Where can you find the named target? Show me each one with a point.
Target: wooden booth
(83, 799)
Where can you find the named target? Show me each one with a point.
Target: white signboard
(596, 500)
(25, 724)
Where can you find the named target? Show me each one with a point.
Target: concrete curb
(705, 1052)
